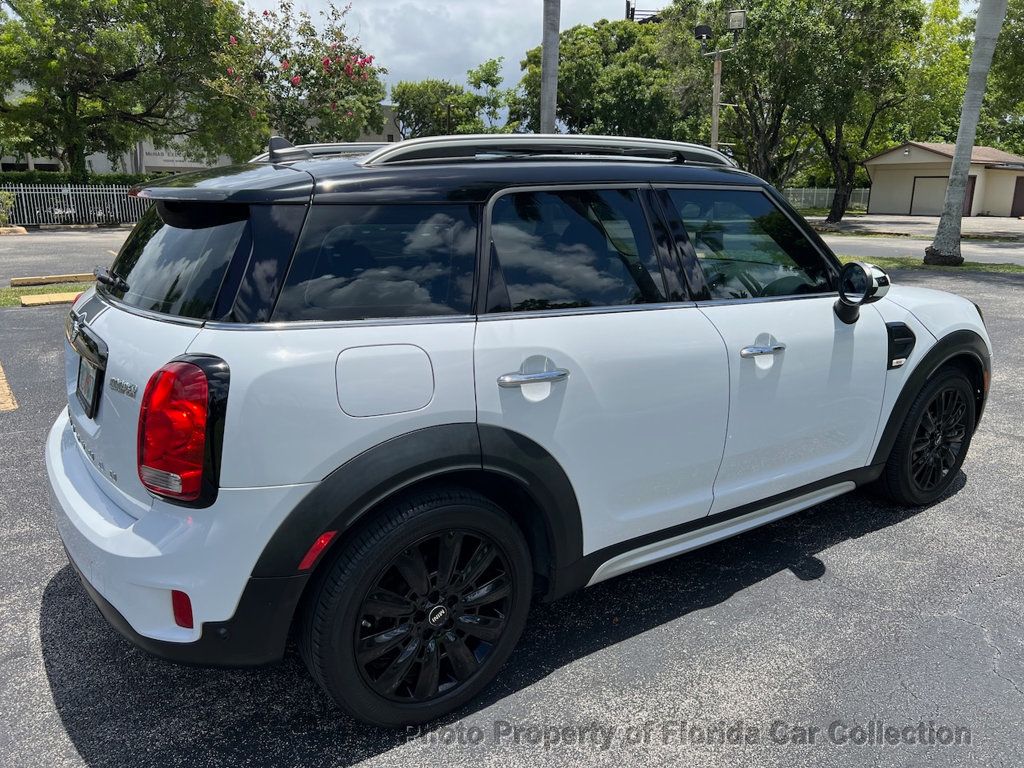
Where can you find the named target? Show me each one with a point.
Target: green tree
(861, 53)
(613, 78)
(936, 78)
(99, 75)
(289, 73)
(438, 107)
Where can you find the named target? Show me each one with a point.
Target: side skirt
(669, 542)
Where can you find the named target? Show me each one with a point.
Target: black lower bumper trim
(256, 634)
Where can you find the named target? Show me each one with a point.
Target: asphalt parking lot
(851, 612)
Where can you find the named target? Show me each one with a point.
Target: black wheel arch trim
(956, 344)
(354, 489)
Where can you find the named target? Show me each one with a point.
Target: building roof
(979, 155)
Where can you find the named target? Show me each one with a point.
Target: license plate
(87, 391)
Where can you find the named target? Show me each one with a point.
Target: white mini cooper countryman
(381, 403)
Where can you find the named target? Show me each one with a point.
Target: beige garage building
(911, 179)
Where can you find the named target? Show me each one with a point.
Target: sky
(417, 39)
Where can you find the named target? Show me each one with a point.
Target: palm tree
(549, 65)
(946, 247)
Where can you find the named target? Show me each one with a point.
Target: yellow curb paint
(42, 299)
(21, 282)
(7, 401)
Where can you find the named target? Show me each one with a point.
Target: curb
(82, 277)
(44, 299)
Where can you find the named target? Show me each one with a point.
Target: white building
(912, 179)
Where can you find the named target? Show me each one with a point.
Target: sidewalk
(994, 227)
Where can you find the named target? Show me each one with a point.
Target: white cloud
(416, 39)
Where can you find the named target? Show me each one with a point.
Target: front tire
(932, 443)
(419, 611)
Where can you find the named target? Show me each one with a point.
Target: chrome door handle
(510, 380)
(762, 349)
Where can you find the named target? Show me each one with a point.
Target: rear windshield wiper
(107, 277)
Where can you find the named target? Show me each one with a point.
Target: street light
(737, 22)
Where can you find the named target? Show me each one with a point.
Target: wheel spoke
(384, 602)
(426, 682)
(482, 557)
(448, 557)
(398, 669)
(375, 646)
(495, 589)
(464, 663)
(482, 627)
(412, 568)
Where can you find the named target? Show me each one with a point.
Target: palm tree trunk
(549, 65)
(946, 247)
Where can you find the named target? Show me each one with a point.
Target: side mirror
(859, 284)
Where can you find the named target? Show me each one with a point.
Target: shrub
(6, 206)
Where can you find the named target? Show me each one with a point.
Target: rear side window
(376, 261)
(175, 259)
(569, 249)
(747, 247)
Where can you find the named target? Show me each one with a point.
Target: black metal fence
(73, 204)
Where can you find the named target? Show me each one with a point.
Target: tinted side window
(371, 261)
(579, 248)
(747, 247)
(174, 260)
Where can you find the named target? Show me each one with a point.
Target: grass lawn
(967, 266)
(11, 297)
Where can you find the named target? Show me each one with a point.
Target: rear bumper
(130, 565)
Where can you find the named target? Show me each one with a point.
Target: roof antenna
(282, 150)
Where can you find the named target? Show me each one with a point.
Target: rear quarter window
(175, 259)
(356, 262)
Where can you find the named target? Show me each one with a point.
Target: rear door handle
(763, 349)
(510, 380)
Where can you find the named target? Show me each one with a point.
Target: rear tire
(933, 441)
(420, 609)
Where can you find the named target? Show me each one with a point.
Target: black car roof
(346, 180)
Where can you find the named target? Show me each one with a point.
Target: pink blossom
(349, 113)
(334, 106)
(252, 113)
(233, 40)
(348, 69)
(231, 70)
(326, 62)
(296, 80)
(266, 13)
(285, 64)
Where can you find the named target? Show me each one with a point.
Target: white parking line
(7, 401)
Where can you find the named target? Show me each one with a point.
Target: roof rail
(307, 151)
(540, 144)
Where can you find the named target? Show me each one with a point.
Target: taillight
(172, 431)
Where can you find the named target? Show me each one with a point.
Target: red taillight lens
(172, 431)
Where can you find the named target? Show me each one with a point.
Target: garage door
(930, 194)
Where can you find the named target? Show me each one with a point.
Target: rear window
(359, 262)
(175, 259)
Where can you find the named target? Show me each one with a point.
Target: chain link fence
(803, 198)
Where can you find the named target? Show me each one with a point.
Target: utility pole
(704, 33)
(716, 99)
(549, 65)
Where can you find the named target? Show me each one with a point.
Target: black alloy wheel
(418, 608)
(932, 442)
(939, 439)
(433, 616)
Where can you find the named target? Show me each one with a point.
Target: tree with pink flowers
(284, 73)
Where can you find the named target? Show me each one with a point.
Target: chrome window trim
(542, 313)
(305, 325)
(148, 313)
(484, 266)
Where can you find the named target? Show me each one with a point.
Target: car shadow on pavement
(121, 706)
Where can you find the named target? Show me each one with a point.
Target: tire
(927, 456)
(400, 659)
